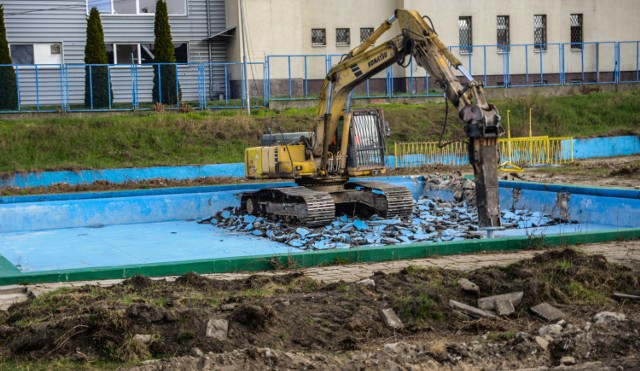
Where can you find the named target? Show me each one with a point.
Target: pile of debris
(432, 220)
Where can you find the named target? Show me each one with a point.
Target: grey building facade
(51, 33)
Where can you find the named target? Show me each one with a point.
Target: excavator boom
(325, 160)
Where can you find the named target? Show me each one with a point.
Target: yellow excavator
(351, 144)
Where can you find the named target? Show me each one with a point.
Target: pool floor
(146, 243)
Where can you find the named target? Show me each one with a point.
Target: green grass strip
(320, 258)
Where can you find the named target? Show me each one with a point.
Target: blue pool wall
(619, 208)
(582, 149)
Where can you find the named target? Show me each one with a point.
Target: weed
(501, 336)
(563, 265)
(414, 270)
(338, 260)
(185, 337)
(577, 291)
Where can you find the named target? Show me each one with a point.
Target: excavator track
(399, 201)
(306, 206)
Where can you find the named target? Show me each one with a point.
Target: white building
(540, 32)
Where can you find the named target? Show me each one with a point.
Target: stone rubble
(432, 220)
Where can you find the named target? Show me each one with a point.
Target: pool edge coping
(301, 259)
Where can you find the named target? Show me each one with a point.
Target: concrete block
(391, 319)
(547, 311)
(504, 307)
(467, 285)
(468, 309)
(489, 303)
(217, 328)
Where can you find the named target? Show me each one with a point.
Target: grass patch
(135, 139)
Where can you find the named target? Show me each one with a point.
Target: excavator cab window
(367, 144)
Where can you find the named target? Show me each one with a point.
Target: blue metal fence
(54, 88)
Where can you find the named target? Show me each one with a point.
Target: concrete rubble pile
(433, 220)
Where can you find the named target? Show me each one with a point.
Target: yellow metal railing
(520, 151)
(540, 150)
(415, 154)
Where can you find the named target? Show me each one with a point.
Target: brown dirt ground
(293, 322)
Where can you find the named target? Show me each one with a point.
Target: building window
(540, 32)
(142, 53)
(175, 7)
(318, 37)
(343, 37)
(37, 53)
(503, 33)
(365, 33)
(466, 39)
(576, 31)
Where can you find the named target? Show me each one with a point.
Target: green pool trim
(10, 276)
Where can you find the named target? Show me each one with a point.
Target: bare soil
(292, 322)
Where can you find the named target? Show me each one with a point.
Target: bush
(97, 84)
(9, 91)
(165, 84)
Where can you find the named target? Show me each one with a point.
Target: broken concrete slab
(217, 328)
(489, 303)
(542, 342)
(391, 319)
(603, 318)
(468, 309)
(547, 311)
(504, 307)
(13, 289)
(467, 285)
(550, 330)
(142, 338)
(367, 282)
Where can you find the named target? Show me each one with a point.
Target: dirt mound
(292, 321)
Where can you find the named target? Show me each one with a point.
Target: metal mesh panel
(318, 36)
(343, 37)
(367, 144)
(365, 33)
(576, 31)
(503, 33)
(464, 24)
(540, 31)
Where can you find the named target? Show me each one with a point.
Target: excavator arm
(420, 41)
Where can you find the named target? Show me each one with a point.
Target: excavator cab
(367, 144)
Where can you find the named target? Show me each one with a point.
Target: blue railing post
(159, 83)
(243, 92)
(484, 58)
(18, 85)
(37, 90)
(616, 46)
(90, 86)
(265, 82)
(541, 66)
(289, 76)
(178, 98)
(226, 85)
(411, 77)
(134, 86)
(202, 102)
(526, 63)
(306, 78)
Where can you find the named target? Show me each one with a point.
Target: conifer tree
(9, 90)
(165, 84)
(97, 85)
